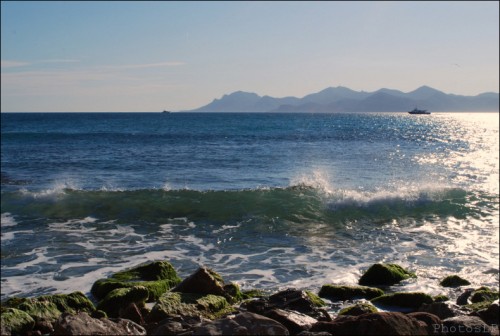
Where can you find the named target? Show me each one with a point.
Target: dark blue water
(267, 200)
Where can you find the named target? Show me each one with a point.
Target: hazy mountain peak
(423, 92)
(343, 99)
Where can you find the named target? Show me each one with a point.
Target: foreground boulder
(158, 277)
(301, 301)
(50, 307)
(469, 325)
(383, 323)
(342, 293)
(15, 322)
(83, 324)
(384, 275)
(443, 309)
(294, 321)
(431, 321)
(244, 323)
(490, 315)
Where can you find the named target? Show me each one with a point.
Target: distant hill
(342, 99)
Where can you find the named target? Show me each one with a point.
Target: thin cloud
(148, 65)
(12, 64)
(59, 61)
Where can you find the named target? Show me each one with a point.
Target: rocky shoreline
(151, 299)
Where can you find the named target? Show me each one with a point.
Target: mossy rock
(50, 307)
(483, 294)
(384, 275)
(189, 304)
(254, 293)
(207, 281)
(315, 299)
(358, 309)
(411, 300)
(121, 298)
(15, 322)
(440, 298)
(158, 277)
(454, 281)
(336, 292)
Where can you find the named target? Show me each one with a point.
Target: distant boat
(164, 111)
(417, 111)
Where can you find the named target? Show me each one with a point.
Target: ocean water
(269, 201)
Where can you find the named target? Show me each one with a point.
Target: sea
(269, 201)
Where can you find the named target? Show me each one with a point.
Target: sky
(135, 56)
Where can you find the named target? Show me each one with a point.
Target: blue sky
(149, 56)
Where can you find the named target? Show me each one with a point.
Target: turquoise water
(267, 200)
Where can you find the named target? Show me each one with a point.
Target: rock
(463, 298)
(207, 281)
(203, 281)
(15, 322)
(431, 321)
(244, 323)
(342, 293)
(50, 307)
(404, 300)
(294, 321)
(443, 310)
(478, 299)
(359, 308)
(483, 294)
(384, 275)
(304, 302)
(133, 313)
(491, 314)
(83, 324)
(298, 300)
(189, 304)
(158, 277)
(120, 298)
(454, 281)
(45, 327)
(382, 323)
(460, 325)
(440, 298)
(174, 325)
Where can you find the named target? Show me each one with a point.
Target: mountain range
(342, 99)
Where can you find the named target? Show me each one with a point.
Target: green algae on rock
(384, 275)
(358, 309)
(483, 294)
(189, 304)
(454, 281)
(411, 300)
(336, 292)
(50, 307)
(315, 299)
(158, 277)
(440, 298)
(15, 322)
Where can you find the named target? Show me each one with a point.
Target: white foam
(318, 179)
(7, 220)
(11, 235)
